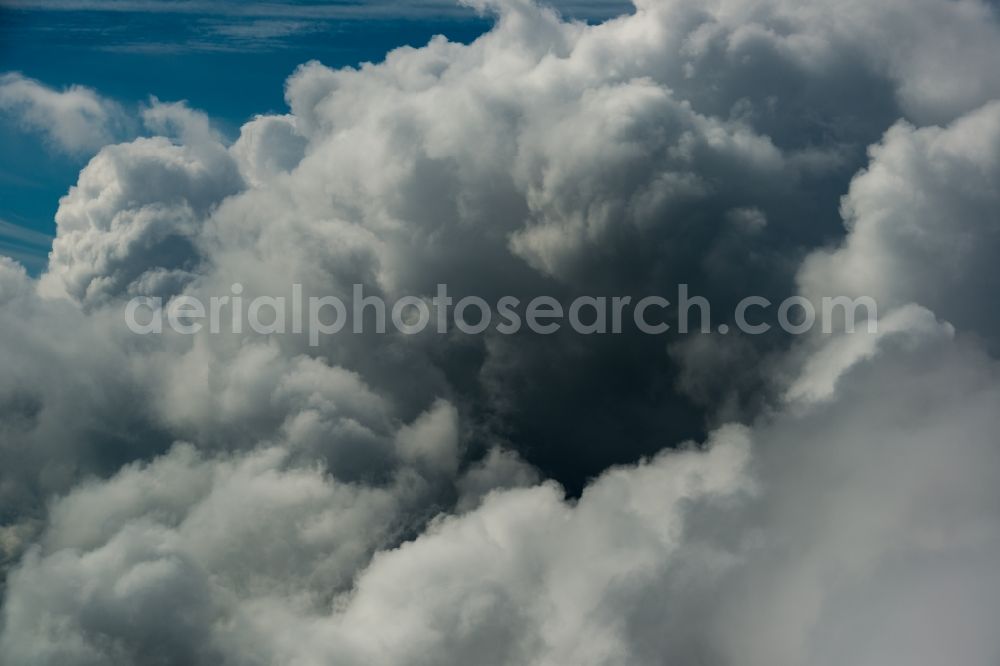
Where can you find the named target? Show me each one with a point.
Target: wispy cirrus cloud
(25, 245)
(199, 26)
(346, 10)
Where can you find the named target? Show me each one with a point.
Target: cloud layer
(395, 499)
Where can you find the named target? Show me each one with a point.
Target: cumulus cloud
(382, 498)
(850, 531)
(921, 223)
(268, 146)
(130, 224)
(76, 120)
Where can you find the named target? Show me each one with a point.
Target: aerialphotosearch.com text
(321, 316)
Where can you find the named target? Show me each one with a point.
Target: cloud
(382, 498)
(76, 120)
(295, 10)
(27, 246)
(268, 146)
(848, 528)
(182, 563)
(919, 223)
(129, 225)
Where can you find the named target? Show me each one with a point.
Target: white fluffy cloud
(75, 120)
(922, 225)
(824, 530)
(389, 499)
(130, 224)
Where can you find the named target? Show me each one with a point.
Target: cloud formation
(812, 514)
(447, 499)
(131, 221)
(76, 120)
(920, 220)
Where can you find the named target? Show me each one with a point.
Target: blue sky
(227, 58)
